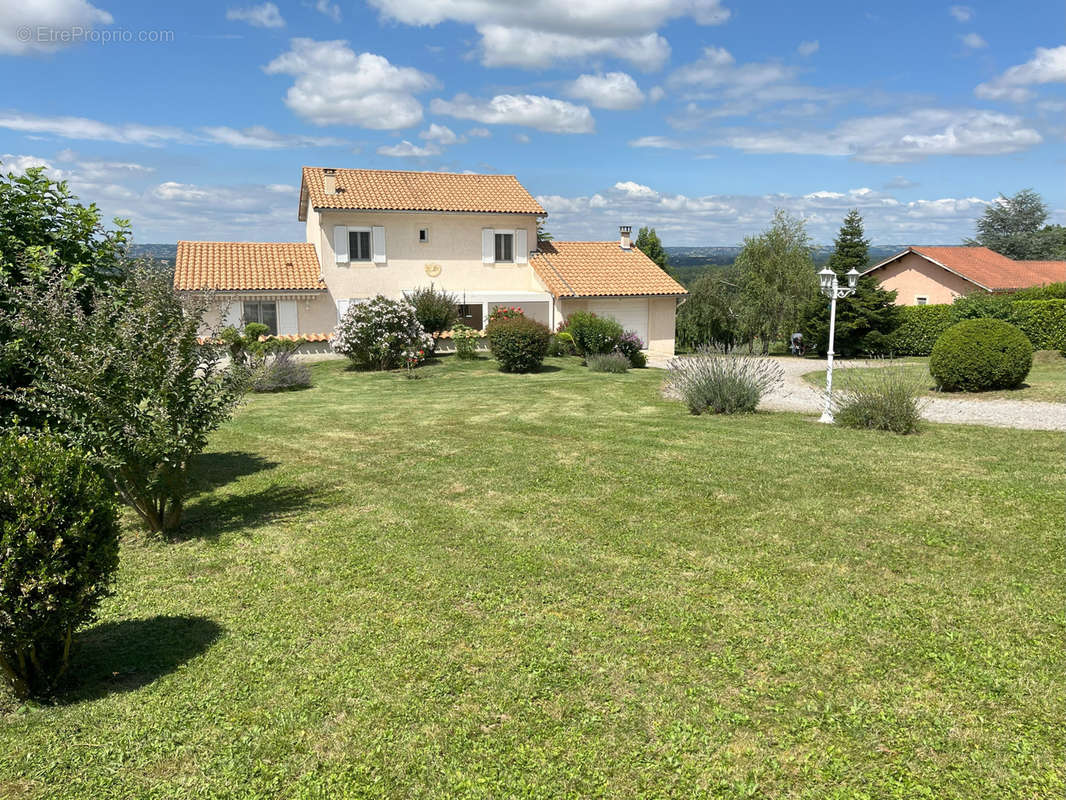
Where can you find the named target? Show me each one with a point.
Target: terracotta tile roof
(233, 266)
(600, 269)
(987, 268)
(397, 190)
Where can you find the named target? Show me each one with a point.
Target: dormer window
(504, 247)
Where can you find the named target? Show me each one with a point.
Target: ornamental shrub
(1042, 321)
(280, 372)
(631, 346)
(377, 334)
(58, 556)
(722, 384)
(884, 399)
(919, 328)
(616, 362)
(593, 334)
(505, 312)
(981, 354)
(435, 309)
(518, 344)
(562, 344)
(466, 339)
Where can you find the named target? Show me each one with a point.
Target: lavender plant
(723, 384)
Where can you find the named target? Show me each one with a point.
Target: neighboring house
(930, 275)
(387, 232)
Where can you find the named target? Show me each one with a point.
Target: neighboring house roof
(600, 269)
(397, 190)
(986, 268)
(247, 266)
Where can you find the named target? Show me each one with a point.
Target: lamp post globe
(832, 289)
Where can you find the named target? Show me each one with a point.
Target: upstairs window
(423, 235)
(265, 313)
(359, 245)
(504, 247)
(921, 300)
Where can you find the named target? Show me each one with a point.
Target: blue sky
(696, 116)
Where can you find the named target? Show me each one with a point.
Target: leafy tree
(777, 280)
(864, 319)
(1014, 226)
(542, 234)
(649, 244)
(126, 381)
(710, 315)
(48, 237)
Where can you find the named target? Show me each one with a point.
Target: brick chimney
(329, 180)
(624, 231)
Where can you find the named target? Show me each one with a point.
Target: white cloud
(479, 133)
(900, 182)
(655, 94)
(897, 138)
(808, 48)
(265, 15)
(726, 219)
(974, 41)
(522, 138)
(261, 138)
(659, 142)
(615, 90)
(961, 13)
(18, 164)
(41, 19)
(538, 33)
(516, 47)
(717, 73)
(533, 111)
(84, 128)
(406, 149)
(331, 10)
(441, 134)
(1048, 65)
(334, 86)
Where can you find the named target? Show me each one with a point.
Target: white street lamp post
(831, 289)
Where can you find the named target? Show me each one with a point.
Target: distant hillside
(690, 263)
(159, 252)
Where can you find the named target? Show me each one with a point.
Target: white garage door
(632, 315)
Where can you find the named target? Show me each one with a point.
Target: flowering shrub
(465, 339)
(519, 344)
(630, 346)
(505, 312)
(380, 333)
(593, 334)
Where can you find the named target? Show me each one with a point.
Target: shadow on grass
(210, 515)
(123, 656)
(211, 470)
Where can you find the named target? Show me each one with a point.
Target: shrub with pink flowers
(505, 312)
(381, 334)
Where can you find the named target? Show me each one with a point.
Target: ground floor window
(263, 312)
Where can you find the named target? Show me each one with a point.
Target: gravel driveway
(797, 395)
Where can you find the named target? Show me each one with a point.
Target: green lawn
(488, 585)
(1046, 381)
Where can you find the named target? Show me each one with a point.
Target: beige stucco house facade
(371, 232)
(933, 275)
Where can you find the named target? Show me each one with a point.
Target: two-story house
(387, 232)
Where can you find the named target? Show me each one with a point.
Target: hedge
(920, 327)
(1042, 321)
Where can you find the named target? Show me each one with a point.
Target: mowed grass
(563, 585)
(1046, 380)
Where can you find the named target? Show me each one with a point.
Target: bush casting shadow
(210, 515)
(123, 656)
(211, 470)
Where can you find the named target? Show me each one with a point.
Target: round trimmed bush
(593, 334)
(59, 546)
(519, 344)
(980, 354)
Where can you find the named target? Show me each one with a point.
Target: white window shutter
(234, 315)
(377, 234)
(288, 324)
(342, 308)
(488, 246)
(340, 243)
(521, 246)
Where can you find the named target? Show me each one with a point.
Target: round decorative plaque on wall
(433, 270)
